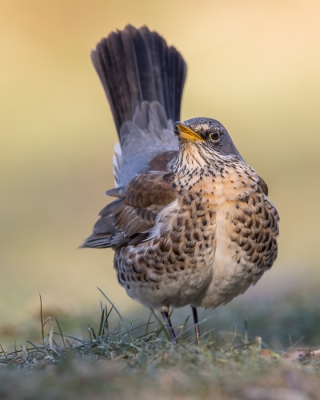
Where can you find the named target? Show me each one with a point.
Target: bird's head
(206, 138)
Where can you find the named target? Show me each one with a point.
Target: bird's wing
(130, 218)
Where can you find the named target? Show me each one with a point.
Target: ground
(122, 359)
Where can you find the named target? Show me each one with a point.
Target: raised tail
(143, 79)
(136, 65)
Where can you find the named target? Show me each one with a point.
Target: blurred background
(253, 65)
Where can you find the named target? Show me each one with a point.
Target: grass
(122, 359)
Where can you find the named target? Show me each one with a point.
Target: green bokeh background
(253, 64)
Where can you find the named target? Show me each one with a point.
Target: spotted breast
(214, 240)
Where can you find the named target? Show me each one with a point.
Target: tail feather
(143, 79)
(136, 65)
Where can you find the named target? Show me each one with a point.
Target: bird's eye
(215, 136)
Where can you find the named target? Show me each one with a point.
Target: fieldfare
(191, 222)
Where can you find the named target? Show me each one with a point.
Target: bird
(191, 222)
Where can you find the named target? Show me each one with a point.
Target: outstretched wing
(130, 218)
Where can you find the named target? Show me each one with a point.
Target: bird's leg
(196, 323)
(167, 322)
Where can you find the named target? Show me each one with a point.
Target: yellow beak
(184, 132)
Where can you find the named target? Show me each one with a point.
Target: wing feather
(131, 217)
